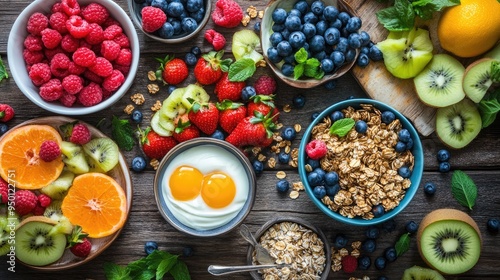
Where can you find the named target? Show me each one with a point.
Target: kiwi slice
(194, 93)
(440, 83)
(458, 124)
(102, 153)
(477, 79)
(8, 223)
(38, 242)
(53, 211)
(162, 126)
(74, 159)
(449, 241)
(421, 273)
(172, 106)
(59, 188)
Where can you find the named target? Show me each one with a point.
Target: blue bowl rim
(415, 178)
(163, 207)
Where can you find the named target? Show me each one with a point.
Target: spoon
(223, 270)
(262, 255)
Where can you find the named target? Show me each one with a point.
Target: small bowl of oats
(361, 162)
(299, 247)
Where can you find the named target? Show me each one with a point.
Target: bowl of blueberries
(179, 20)
(361, 162)
(310, 42)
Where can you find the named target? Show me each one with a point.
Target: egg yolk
(218, 190)
(185, 183)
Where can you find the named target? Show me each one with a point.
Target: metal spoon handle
(247, 235)
(223, 270)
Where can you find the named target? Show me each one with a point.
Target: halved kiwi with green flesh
(53, 211)
(458, 124)
(477, 79)
(421, 273)
(440, 83)
(102, 153)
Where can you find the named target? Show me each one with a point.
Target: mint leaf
(241, 70)
(403, 244)
(463, 189)
(145, 275)
(342, 127)
(180, 271)
(301, 55)
(165, 266)
(3, 71)
(488, 110)
(311, 67)
(122, 133)
(399, 17)
(116, 272)
(495, 71)
(425, 8)
(298, 71)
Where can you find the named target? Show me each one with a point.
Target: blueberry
(390, 254)
(321, 27)
(331, 178)
(256, 27)
(176, 24)
(150, 246)
(314, 116)
(190, 59)
(344, 17)
(340, 241)
(309, 30)
(282, 186)
(364, 50)
(317, 7)
(388, 117)
(365, 39)
(171, 88)
(380, 263)
(354, 40)
(196, 51)
(404, 135)
(443, 155)
(278, 27)
(283, 157)
(429, 189)
(317, 43)
(330, 13)
(400, 147)
(285, 33)
(161, 4)
(138, 164)
(258, 166)
(350, 54)
(362, 60)
(198, 15)
(320, 55)
(187, 251)
(336, 24)
(378, 210)
(175, 9)
(336, 115)
(297, 39)
(493, 225)
(166, 31)
(330, 84)
(444, 167)
(188, 24)
(295, 12)
(404, 172)
(319, 192)
(332, 36)
(302, 6)
(310, 17)
(389, 225)
(361, 126)
(274, 57)
(372, 232)
(289, 59)
(288, 133)
(375, 54)
(364, 262)
(313, 163)
(342, 45)
(279, 15)
(299, 101)
(218, 135)
(194, 5)
(136, 116)
(247, 92)
(3, 128)
(411, 227)
(369, 245)
(293, 23)
(287, 69)
(331, 191)
(284, 48)
(314, 179)
(327, 65)
(382, 278)
(409, 144)
(275, 38)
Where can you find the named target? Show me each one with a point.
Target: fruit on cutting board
(449, 241)
(471, 28)
(478, 78)
(440, 83)
(421, 273)
(458, 124)
(406, 53)
(244, 44)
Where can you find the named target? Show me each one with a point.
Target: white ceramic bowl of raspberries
(73, 57)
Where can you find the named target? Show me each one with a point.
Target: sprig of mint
(342, 127)
(489, 106)
(403, 244)
(309, 67)
(3, 71)
(122, 133)
(154, 266)
(464, 189)
(401, 16)
(241, 70)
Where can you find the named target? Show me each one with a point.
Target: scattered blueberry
(187, 251)
(258, 166)
(443, 155)
(3, 128)
(364, 50)
(404, 172)
(283, 157)
(330, 84)
(340, 241)
(190, 59)
(372, 232)
(369, 245)
(365, 39)
(150, 246)
(388, 117)
(138, 164)
(337, 115)
(389, 225)
(411, 227)
(361, 126)
(400, 147)
(380, 263)
(256, 27)
(314, 116)
(282, 186)
(247, 92)
(136, 116)
(364, 262)
(218, 135)
(404, 135)
(493, 225)
(375, 54)
(444, 167)
(288, 133)
(314, 179)
(378, 210)
(429, 189)
(171, 88)
(299, 101)
(390, 254)
(332, 190)
(319, 192)
(331, 178)
(313, 163)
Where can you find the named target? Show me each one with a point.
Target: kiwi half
(458, 124)
(102, 154)
(449, 241)
(421, 273)
(440, 83)
(477, 79)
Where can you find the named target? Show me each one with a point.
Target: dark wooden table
(481, 160)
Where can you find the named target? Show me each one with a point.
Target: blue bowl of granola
(361, 162)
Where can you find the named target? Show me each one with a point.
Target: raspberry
(122, 40)
(227, 13)
(80, 134)
(95, 13)
(40, 73)
(349, 264)
(113, 81)
(152, 18)
(316, 149)
(112, 32)
(84, 44)
(84, 57)
(59, 65)
(82, 249)
(110, 21)
(50, 53)
(265, 85)
(36, 23)
(106, 94)
(96, 34)
(90, 95)
(69, 43)
(57, 7)
(122, 68)
(4, 191)
(51, 38)
(75, 69)
(70, 7)
(57, 22)
(6, 112)
(51, 90)
(67, 99)
(49, 151)
(93, 77)
(72, 84)
(25, 201)
(77, 27)
(102, 67)
(216, 39)
(33, 43)
(124, 58)
(110, 50)
(32, 57)
(38, 210)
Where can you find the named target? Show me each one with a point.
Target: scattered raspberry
(49, 151)
(84, 57)
(82, 249)
(75, 69)
(32, 57)
(69, 43)
(227, 13)
(110, 50)
(51, 38)
(51, 90)
(113, 81)
(152, 18)
(67, 99)
(216, 39)
(49, 53)
(349, 264)
(6, 113)
(124, 58)
(59, 65)
(38, 210)
(72, 84)
(90, 95)
(77, 27)
(57, 22)
(93, 77)
(265, 85)
(102, 67)
(4, 191)
(122, 40)
(40, 73)
(70, 7)
(316, 149)
(112, 31)
(25, 201)
(95, 13)
(36, 23)
(96, 34)
(44, 200)
(33, 43)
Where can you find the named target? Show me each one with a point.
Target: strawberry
(173, 70)
(225, 89)
(263, 104)
(154, 145)
(205, 117)
(210, 66)
(79, 245)
(231, 113)
(6, 113)
(185, 131)
(252, 131)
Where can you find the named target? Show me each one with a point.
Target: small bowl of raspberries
(73, 57)
(170, 21)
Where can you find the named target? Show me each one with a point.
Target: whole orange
(471, 28)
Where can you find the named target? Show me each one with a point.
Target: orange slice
(19, 160)
(97, 203)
